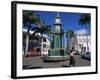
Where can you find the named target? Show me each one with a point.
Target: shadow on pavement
(26, 66)
(65, 66)
(34, 67)
(85, 58)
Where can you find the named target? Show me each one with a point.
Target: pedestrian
(72, 58)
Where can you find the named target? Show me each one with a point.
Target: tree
(42, 30)
(85, 20)
(29, 18)
(69, 34)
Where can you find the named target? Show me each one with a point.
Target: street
(37, 63)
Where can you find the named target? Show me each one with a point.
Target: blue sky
(69, 20)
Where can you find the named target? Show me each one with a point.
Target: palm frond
(84, 19)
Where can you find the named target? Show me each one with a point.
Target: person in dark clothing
(72, 59)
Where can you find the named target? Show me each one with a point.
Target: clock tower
(57, 53)
(58, 32)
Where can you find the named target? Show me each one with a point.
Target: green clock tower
(58, 33)
(57, 53)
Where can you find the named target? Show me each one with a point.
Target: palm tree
(85, 20)
(42, 30)
(29, 18)
(69, 34)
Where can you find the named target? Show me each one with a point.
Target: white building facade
(46, 46)
(42, 46)
(81, 43)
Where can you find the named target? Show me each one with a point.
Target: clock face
(57, 20)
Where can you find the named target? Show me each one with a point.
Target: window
(44, 40)
(80, 45)
(58, 20)
(79, 40)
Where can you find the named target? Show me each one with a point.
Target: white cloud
(81, 32)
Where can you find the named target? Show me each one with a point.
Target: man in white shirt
(72, 59)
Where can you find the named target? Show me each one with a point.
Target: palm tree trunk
(50, 41)
(42, 45)
(68, 43)
(77, 44)
(63, 42)
(27, 41)
(86, 38)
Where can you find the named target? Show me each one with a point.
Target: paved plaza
(37, 62)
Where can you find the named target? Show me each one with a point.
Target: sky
(68, 20)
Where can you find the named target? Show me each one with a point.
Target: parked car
(86, 55)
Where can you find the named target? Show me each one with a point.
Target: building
(46, 45)
(35, 45)
(81, 43)
(71, 43)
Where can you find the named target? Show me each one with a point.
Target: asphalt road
(37, 63)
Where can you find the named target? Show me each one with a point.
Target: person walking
(72, 58)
